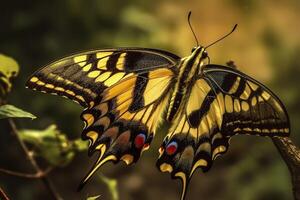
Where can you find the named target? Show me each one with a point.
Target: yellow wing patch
(125, 123)
(80, 77)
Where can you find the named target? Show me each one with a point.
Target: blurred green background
(266, 46)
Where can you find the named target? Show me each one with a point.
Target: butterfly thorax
(189, 69)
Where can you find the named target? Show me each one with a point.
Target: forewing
(122, 124)
(249, 107)
(82, 77)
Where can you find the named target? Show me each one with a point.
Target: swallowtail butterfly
(128, 94)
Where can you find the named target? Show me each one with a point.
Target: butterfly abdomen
(175, 102)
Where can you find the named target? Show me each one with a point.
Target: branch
(3, 196)
(33, 162)
(26, 175)
(290, 153)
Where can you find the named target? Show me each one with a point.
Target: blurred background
(266, 45)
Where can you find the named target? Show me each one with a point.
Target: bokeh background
(266, 46)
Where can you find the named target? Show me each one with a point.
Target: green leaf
(10, 111)
(80, 145)
(93, 198)
(112, 185)
(50, 144)
(9, 69)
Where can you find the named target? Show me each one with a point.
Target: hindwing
(123, 123)
(132, 99)
(194, 139)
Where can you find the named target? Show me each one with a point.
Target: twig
(3, 196)
(30, 157)
(290, 153)
(26, 175)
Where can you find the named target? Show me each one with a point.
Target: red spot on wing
(171, 148)
(139, 141)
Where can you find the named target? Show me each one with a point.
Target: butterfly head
(200, 50)
(198, 57)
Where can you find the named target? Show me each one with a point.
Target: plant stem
(3, 196)
(33, 162)
(26, 175)
(290, 153)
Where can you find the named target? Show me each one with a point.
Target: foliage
(9, 69)
(52, 145)
(10, 111)
(112, 186)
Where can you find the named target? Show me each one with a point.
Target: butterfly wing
(81, 77)
(214, 112)
(123, 123)
(249, 106)
(190, 142)
(124, 92)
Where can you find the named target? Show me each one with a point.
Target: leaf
(50, 144)
(93, 198)
(112, 186)
(10, 111)
(9, 69)
(80, 145)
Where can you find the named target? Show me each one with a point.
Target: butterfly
(131, 94)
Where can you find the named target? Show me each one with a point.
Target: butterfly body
(130, 93)
(188, 71)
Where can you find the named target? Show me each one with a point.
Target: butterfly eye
(204, 55)
(193, 49)
(139, 140)
(171, 148)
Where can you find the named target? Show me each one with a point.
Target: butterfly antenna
(233, 29)
(189, 21)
